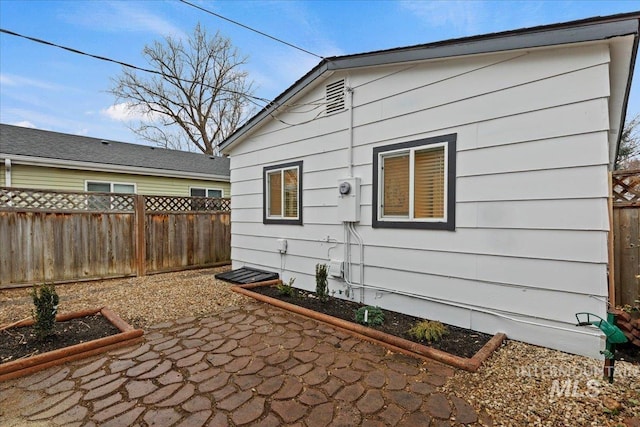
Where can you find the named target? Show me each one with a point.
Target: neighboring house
(478, 171)
(32, 158)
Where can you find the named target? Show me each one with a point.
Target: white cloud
(308, 31)
(29, 118)
(125, 112)
(118, 16)
(464, 16)
(25, 124)
(19, 81)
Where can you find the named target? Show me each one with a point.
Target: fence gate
(626, 235)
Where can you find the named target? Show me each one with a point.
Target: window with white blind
(282, 192)
(414, 184)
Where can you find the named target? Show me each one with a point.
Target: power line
(250, 29)
(251, 98)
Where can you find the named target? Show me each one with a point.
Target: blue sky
(48, 88)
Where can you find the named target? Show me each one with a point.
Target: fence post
(140, 237)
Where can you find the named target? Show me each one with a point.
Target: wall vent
(335, 96)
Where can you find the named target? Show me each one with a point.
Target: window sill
(420, 225)
(282, 221)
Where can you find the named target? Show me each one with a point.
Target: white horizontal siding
(443, 106)
(550, 275)
(280, 151)
(541, 244)
(466, 77)
(568, 151)
(563, 120)
(578, 182)
(530, 302)
(531, 188)
(563, 214)
(580, 214)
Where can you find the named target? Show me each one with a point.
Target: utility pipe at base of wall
(349, 229)
(360, 242)
(469, 307)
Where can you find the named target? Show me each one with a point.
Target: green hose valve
(614, 336)
(613, 333)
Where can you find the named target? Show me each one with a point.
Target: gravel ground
(519, 385)
(141, 301)
(525, 385)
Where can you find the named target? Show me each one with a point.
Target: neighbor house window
(206, 192)
(204, 204)
(414, 184)
(100, 202)
(282, 190)
(110, 187)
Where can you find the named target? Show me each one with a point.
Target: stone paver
(255, 365)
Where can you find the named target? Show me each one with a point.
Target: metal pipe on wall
(7, 172)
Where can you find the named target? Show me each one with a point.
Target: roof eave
(287, 95)
(106, 167)
(614, 146)
(545, 36)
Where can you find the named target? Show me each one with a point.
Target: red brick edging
(127, 336)
(391, 341)
(630, 327)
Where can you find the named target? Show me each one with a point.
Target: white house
(476, 171)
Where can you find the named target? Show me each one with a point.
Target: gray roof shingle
(15, 140)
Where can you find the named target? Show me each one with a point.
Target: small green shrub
(287, 289)
(45, 300)
(322, 289)
(375, 316)
(427, 330)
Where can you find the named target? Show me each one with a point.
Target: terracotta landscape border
(127, 336)
(390, 341)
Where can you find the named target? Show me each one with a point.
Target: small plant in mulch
(287, 289)
(322, 288)
(428, 330)
(370, 316)
(45, 301)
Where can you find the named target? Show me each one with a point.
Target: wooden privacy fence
(59, 236)
(626, 235)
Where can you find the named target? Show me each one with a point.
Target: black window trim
(450, 223)
(265, 171)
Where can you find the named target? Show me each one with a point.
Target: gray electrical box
(349, 200)
(335, 268)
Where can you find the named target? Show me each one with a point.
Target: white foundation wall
(530, 245)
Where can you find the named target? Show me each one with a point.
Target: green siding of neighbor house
(24, 176)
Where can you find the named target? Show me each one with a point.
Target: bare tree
(199, 98)
(629, 149)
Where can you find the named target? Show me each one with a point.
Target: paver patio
(252, 365)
